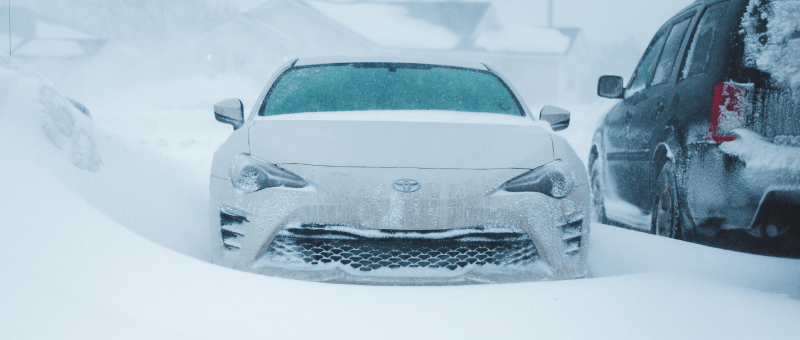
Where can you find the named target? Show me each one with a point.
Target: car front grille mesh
(399, 252)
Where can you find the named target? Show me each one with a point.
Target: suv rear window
(646, 65)
(667, 61)
(699, 51)
(388, 86)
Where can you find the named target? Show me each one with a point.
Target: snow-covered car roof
(390, 59)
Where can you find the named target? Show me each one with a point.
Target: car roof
(390, 59)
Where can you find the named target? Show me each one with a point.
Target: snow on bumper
(734, 182)
(557, 228)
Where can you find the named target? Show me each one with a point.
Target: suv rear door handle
(659, 107)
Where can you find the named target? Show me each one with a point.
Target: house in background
(59, 52)
(257, 42)
(545, 63)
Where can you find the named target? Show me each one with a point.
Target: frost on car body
(772, 40)
(390, 183)
(666, 156)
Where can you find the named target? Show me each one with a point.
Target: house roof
(318, 27)
(244, 26)
(438, 25)
(310, 30)
(523, 39)
(37, 36)
(444, 26)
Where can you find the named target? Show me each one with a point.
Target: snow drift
(150, 194)
(74, 264)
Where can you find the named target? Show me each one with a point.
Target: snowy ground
(119, 253)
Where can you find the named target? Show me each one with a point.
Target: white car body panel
(351, 161)
(421, 139)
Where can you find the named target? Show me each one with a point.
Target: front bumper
(549, 223)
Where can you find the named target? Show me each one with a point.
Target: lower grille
(230, 223)
(571, 227)
(418, 253)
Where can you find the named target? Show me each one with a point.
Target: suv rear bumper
(777, 212)
(726, 191)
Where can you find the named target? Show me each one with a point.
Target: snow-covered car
(397, 171)
(706, 139)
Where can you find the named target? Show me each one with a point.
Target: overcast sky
(603, 21)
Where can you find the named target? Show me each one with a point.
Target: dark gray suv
(705, 142)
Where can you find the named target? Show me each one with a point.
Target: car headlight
(553, 179)
(250, 174)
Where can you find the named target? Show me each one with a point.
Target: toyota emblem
(406, 185)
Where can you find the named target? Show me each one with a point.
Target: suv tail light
(729, 111)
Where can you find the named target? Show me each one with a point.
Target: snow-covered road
(118, 253)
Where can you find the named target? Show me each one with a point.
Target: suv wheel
(598, 200)
(665, 214)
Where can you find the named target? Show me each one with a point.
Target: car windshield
(388, 86)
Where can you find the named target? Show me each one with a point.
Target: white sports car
(399, 172)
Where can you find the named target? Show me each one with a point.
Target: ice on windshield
(363, 87)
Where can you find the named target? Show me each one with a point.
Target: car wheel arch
(667, 150)
(596, 149)
(670, 151)
(593, 156)
(663, 153)
(674, 230)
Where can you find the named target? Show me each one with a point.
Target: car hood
(405, 139)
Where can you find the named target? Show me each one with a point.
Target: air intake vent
(231, 221)
(400, 253)
(572, 232)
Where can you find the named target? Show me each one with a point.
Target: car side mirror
(230, 111)
(610, 87)
(556, 116)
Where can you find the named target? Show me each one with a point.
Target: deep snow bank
(75, 273)
(174, 117)
(143, 190)
(616, 251)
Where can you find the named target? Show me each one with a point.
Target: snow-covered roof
(50, 48)
(245, 28)
(445, 25)
(523, 39)
(50, 30)
(389, 25)
(238, 39)
(37, 36)
(434, 25)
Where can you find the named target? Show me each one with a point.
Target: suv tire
(598, 200)
(665, 213)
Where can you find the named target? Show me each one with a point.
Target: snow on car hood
(413, 139)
